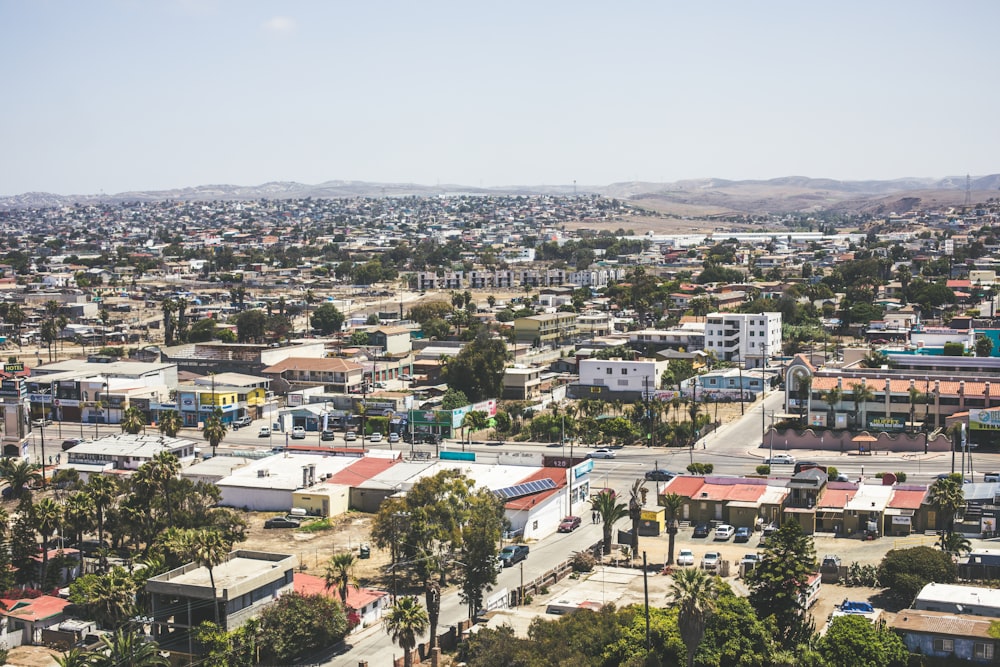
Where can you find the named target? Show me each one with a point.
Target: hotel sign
(984, 420)
(886, 424)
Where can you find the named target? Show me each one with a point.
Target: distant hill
(706, 196)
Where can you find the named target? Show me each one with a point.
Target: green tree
(635, 503)
(48, 518)
(250, 325)
(673, 505)
(298, 625)
(133, 421)
(693, 592)
(339, 574)
(984, 346)
(436, 329)
(778, 583)
(20, 476)
(170, 423)
(734, 635)
(215, 429)
(475, 420)
(861, 395)
(108, 598)
(358, 338)
(606, 504)
(424, 312)
(833, 397)
(103, 491)
(454, 398)
(854, 641)
(947, 496)
(127, 646)
(478, 369)
(480, 536)
(406, 621)
(905, 571)
(208, 548)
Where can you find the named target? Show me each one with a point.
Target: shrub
(584, 561)
(900, 476)
(763, 469)
(831, 473)
(906, 571)
(699, 468)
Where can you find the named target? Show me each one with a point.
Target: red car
(569, 524)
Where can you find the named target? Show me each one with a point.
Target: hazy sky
(118, 95)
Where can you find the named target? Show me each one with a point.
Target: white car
(780, 459)
(710, 561)
(393, 437)
(298, 433)
(375, 437)
(685, 557)
(603, 453)
(264, 432)
(724, 532)
(750, 559)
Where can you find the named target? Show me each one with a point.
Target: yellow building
(547, 328)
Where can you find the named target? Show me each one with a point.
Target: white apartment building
(743, 337)
(620, 375)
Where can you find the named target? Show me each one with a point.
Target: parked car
(41, 422)
(780, 459)
(742, 534)
(405, 377)
(375, 437)
(659, 475)
(298, 433)
(710, 561)
(751, 559)
(350, 436)
(991, 477)
(513, 553)
(700, 530)
(603, 453)
(264, 432)
(685, 557)
(245, 420)
(327, 435)
(393, 437)
(569, 524)
(724, 532)
(69, 443)
(281, 522)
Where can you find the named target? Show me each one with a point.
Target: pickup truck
(512, 554)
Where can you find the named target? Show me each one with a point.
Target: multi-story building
(547, 328)
(749, 338)
(619, 375)
(522, 383)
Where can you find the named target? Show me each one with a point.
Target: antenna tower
(968, 190)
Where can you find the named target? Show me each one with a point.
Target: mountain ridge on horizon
(786, 193)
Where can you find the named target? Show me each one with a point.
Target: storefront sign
(886, 424)
(984, 420)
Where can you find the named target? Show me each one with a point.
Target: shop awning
(746, 504)
(800, 510)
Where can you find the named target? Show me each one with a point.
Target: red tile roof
(33, 609)
(684, 485)
(835, 498)
(907, 499)
(361, 471)
(357, 598)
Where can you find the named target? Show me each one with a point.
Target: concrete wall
(841, 441)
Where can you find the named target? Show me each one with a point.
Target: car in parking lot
(724, 532)
(780, 459)
(603, 453)
(350, 435)
(298, 433)
(710, 561)
(659, 475)
(991, 477)
(393, 437)
(281, 522)
(742, 534)
(751, 559)
(327, 435)
(513, 553)
(569, 524)
(700, 530)
(264, 432)
(375, 437)
(685, 557)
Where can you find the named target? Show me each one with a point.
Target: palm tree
(215, 430)
(103, 491)
(20, 475)
(75, 657)
(693, 591)
(127, 647)
(916, 397)
(163, 469)
(170, 423)
(833, 397)
(954, 543)
(208, 549)
(673, 505)
(432, 598)
(340, 573)
(635, 503)
(133, 421)
(78, 512)
(611, 511)
(47, 519)
(860, 395)
(113, 597)
(404, 623)
(947, 495)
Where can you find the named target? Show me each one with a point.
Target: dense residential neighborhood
(441, 391)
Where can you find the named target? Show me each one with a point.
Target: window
(624, 371)
(982, 651)
(609, 371)
(623, 383)
(944, 645)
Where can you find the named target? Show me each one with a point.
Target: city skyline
(118, 96)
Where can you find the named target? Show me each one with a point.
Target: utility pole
(645, 590)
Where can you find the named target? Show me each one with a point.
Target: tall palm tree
(947, 495)
(209, 549)
(48, 517)
(432, 598)
(673, 505)
(78, 513)
(861, 394)
(113, 598)
(103, 490)
(611, 511)
(215, 430)
(917, 397)
(133, 421)
(833, 397)
(20, 475)
(170, 423)
(340, 574)
(163, 469)
(954, 543)
(635, 503)
(404, 623)
(693, 592)
(75, 657)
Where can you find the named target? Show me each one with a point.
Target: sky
(110, 96)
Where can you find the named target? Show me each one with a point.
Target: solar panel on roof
(526, 489)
